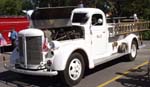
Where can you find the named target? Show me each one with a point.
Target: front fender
(60, 59)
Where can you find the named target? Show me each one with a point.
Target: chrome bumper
(29, 72)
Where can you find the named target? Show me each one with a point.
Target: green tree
(27, 5)
(10, 7)
(140, 7)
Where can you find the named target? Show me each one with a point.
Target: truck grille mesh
(33, 50)
(34, 55)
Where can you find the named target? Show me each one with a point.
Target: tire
(74, 70)
(132, 55)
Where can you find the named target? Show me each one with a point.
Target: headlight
(55, 45)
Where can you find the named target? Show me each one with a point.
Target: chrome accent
(32, 72)
(21, 50)
(25, 51)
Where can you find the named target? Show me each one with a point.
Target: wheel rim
(75, 69)
(133, 50)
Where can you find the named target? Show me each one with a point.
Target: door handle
(99, 36)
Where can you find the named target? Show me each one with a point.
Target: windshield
(79, 18)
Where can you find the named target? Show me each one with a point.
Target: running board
(109, 58)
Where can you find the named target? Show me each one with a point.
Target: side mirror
(100, 21)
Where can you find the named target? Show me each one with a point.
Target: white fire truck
(81, 41)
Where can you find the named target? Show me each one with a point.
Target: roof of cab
(88, 10)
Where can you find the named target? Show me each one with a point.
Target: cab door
(99, 36)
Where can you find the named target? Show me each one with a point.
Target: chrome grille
(34, 49)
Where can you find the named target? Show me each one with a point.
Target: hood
(31, 32)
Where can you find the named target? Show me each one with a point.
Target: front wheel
(133, 52)
(74, 70)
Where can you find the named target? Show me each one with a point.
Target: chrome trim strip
(25, 51)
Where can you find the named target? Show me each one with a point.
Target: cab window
(96, 18)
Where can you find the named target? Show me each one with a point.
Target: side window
(95, 19)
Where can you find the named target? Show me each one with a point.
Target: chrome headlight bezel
(54, 45)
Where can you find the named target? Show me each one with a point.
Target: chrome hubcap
(75, 69)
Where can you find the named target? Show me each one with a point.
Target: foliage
(146, 35)
(26, 5)
(140, 7)
(10, 7)
(116, 7)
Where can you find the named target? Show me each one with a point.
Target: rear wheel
(74, 70)
(133, 52)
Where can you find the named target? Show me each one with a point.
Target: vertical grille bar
(21, 50)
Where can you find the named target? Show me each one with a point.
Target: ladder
(128, 27)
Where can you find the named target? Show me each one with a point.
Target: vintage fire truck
(80, 39)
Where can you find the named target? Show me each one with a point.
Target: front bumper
(31, 72)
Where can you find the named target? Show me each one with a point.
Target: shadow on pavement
(136, 78)
(11, 79)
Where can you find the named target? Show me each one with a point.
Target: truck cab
(94, 22)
